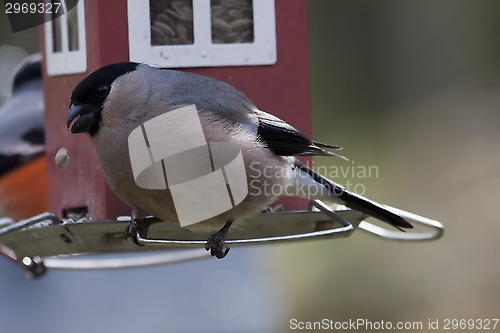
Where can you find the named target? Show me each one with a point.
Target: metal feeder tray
(45, 241)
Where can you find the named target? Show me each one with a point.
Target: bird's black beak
(88, 117)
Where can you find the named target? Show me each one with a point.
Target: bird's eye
(102, 90)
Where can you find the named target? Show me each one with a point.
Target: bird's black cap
(84, 92)
(88, 97)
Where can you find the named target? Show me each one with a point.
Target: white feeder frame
(203, 53)
(66, 61)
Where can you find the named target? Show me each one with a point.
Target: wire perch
(42, 242)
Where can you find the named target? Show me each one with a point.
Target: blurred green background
(413, 88)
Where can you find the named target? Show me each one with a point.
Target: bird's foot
(132, 230)
(138, 225)
(215, 243)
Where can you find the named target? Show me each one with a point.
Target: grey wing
(224, 101)
(211, 95)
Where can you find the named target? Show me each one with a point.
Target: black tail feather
(357, 202)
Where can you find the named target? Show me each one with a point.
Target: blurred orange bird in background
(23, 169)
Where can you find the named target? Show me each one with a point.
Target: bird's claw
(215, 245)
(215, 242)
(138, 226)
(131, 231)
